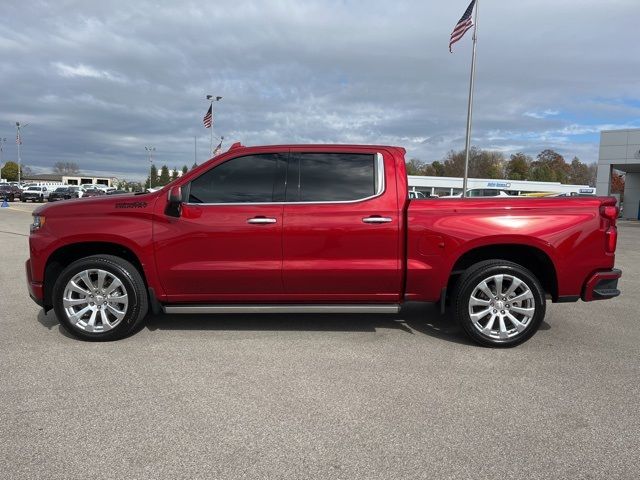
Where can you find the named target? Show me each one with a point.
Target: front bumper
(36, 289)
(602, 285)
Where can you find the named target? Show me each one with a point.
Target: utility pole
(212, 99)
(2, 142)
(19, 142)
(150, 151)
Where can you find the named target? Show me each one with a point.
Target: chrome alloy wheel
(501, 307)
(95, 300)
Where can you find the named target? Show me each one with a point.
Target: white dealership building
(444, 186)
(620, 150)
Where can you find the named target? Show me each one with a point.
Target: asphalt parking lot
(297, 397)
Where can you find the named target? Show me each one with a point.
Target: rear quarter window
(331, 177)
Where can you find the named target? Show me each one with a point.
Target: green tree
(164, 176)
(542, 173)
(558, 168)
(579, 173)
(10, 172)
(517, 168)
(152, 180)
(593, 174)
(453, 164)
(174, 174)
(438, 168)
(482, 164)
(487, 164)
(185, 169)
(429, 171)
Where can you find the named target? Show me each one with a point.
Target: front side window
(331, 177)
(249, 179)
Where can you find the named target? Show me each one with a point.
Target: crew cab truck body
(317, 228)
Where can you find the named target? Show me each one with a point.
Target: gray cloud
(99, 81)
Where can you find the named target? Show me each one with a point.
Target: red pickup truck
(317, 228)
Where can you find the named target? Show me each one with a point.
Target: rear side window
(250, 179)
(331, 177)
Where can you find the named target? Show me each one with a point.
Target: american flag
(464, 24)
(208, 118)
(217, 149)
(18, 139)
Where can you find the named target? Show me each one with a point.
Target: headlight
(38, 222)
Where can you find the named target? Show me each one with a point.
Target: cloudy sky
(97, 81)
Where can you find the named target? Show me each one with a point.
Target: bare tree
(66, 168)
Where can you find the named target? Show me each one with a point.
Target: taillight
(611, 237)
(609, 212)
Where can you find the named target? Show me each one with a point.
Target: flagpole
(470, 105)
(211, 141)
(19, 140)
(195, 149)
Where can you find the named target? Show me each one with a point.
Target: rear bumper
(36, 290)
(602, 285)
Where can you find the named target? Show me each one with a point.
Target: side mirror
(174, 202)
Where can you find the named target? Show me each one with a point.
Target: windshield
(35, 189)
(61, 189)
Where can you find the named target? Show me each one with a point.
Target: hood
(96, 205)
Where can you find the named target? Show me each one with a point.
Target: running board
(186, 309)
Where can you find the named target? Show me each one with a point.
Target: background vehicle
(9, 192)
(62, 193)
(116, 192)
(35, 194)
(481, 192)
(75, 191)
(233, 235)
(93, 192)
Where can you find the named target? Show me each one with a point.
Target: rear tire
(100, 298)
(499, 303)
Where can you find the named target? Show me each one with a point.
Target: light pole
(150, 151)
(212, 99)
(2, 142)
(19, 142)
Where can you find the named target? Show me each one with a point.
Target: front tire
(499, 303)
(100, 298)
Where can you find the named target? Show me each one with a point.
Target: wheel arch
(67, 254)
(532, 258)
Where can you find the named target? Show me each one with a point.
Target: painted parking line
(14, 209)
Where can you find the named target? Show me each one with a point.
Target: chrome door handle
(377, 220)
(262, 220)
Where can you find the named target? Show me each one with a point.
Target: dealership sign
(499, 184)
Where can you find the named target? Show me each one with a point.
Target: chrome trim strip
(262, 221)
(377, 219)
(379, 172)
(190, 309)
(381, 187)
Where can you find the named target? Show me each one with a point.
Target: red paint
(324, 252)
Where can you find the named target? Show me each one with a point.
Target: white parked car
(35, 193)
